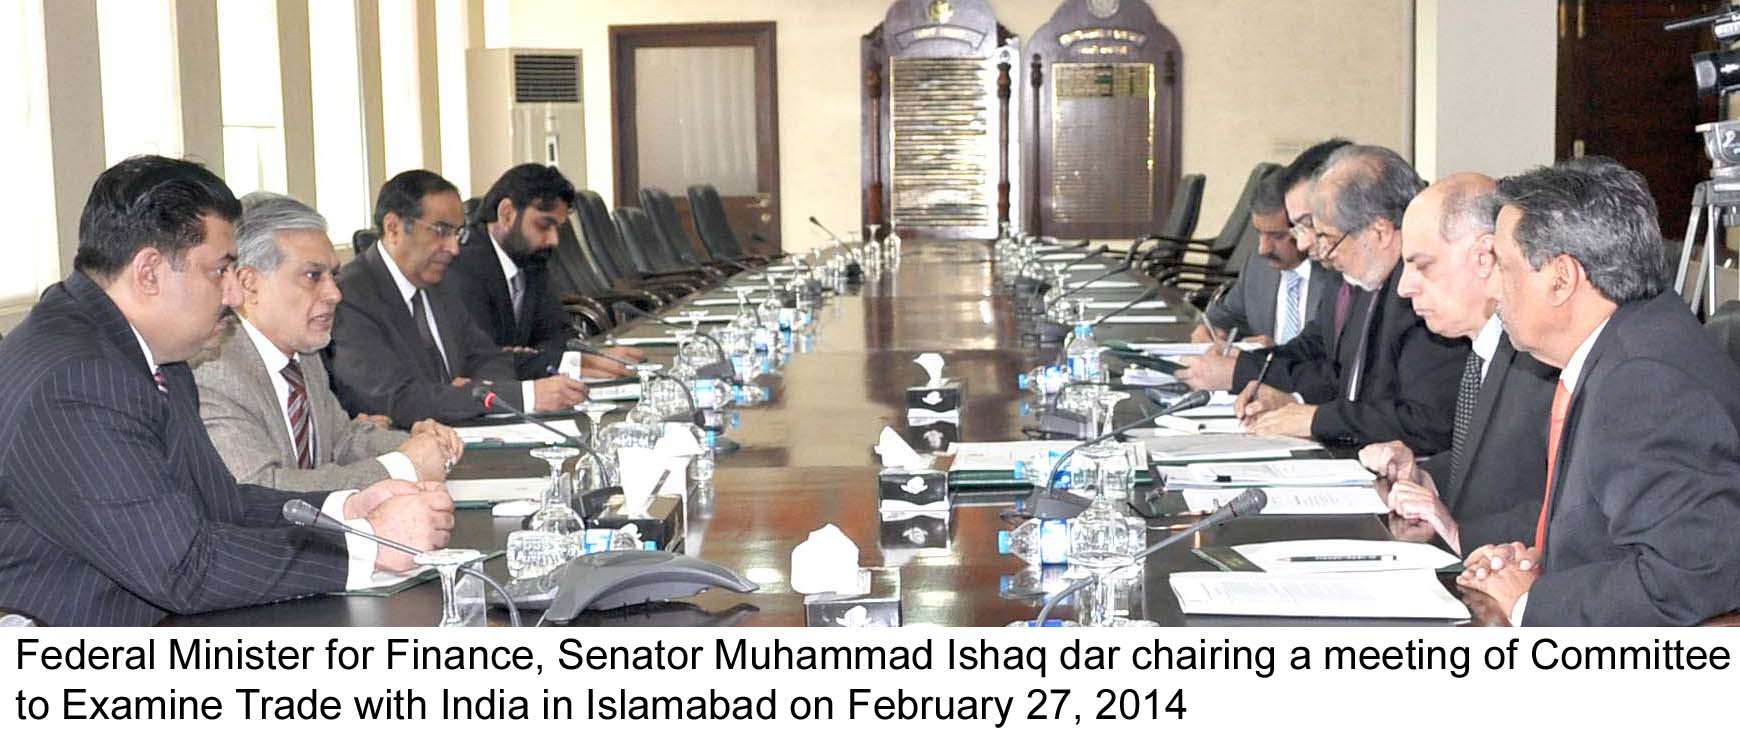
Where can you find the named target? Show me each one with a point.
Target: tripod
(1717, 201)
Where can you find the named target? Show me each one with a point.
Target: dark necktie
(517, 295)
(1353, 377)
(162, 384)
(1467, 393)
(1343, 302)
(420, 318)
(301, 422)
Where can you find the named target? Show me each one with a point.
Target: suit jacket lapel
(398, 317)
(494, 281)
(1483, 405)
(1591, 363)
(260, 390)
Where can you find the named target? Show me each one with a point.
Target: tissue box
(877, 607)
(908, 490)
(911, 530)
(663, 526)
(935, 401)
(933, 435)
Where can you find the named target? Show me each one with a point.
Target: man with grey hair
(1486, 489)
(1387, 377)
(265, 399)
(1643, 435)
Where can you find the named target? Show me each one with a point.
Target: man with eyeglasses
(404, 344)
(1388, 376)
(1279, 294)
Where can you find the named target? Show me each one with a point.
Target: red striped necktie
(301, 421)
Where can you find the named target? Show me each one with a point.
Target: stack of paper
(1287, 500)
(1387, 594)
(521, 433)
(1275, 473)
(496, 490)
(1344, 556)
(1199, 447)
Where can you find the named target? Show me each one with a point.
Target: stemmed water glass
(556, 515)
(447, 563)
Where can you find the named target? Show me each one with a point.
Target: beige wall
(1487, 73)
(1262, 79)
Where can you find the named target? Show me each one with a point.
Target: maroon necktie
(1343, 302)
(301, 422)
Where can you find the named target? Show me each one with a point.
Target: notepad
(1387, 594)
(521, 433)
(1344, 556)
(1276, 473)
(487, 491)
(1293, 501)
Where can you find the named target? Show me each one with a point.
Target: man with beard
(402, 342)
(264, 397)
(502, 272)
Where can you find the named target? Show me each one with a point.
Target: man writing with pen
(1383, 375)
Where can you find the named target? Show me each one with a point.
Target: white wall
(1486, 75)
(1262, 79)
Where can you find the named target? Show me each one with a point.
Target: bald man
(1487, 488)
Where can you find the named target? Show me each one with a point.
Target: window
(253, 99)
(141, 91)
(341, 188)
(401, 88)
(450, 43)
(32, 255)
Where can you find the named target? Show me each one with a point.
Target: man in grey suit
(1487, 488)
(265, 398)
(403, 343)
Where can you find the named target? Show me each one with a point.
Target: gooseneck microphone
(721, 369)
(1195, 399)
(580, 344)
(1251, 501)
(1119, 268)
(1093, 254)
(490, 402)
(1144, 297)
(824, 228)
(303, 514)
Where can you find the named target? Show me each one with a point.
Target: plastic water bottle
(701, 469)
(1037, 541)
(1083, 354)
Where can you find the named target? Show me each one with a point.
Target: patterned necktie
(301, 422)
(1467, 393)
(1290, 315)
(1561, 406)
(517, 295)
(420, 318)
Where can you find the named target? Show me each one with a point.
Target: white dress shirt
(397, 464)
(407, 290)
(361, 570)
(1568, 377)
(1303, 271)
(1486, 343)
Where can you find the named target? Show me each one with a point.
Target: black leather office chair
(650, 255)
(603, 244)
(577, 282)
(1724, 326)
(1180, 258)
(1186, 206)
(362, 240)
(668, 226)
(715, 229)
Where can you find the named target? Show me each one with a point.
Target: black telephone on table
(619, 578)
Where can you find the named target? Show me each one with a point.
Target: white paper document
(1137, 319)
(1344, 556)
(1172, 426)
(1295, 501)
(1000, 456)
(1171, 349)
(1114, 304)
(1220, 405)
(1111, 284)
(521, 433)
(628, 391)
(1274, 473)
(1196, 447)
(1134, 375)
(715, 302)
(1388, 594)
(646, 340)
(496, 490)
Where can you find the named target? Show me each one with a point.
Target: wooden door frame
(625, 40)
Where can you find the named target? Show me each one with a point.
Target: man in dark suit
(114, 507)
(402, 341)
(1643, 468)
(1486, 488)
(502, 272)
(1388, 376)
(1279, 293)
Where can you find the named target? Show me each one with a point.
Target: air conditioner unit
(525, 108)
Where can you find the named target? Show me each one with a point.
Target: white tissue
(932, 363)
(570, 366)
(641, 469)
(897, 454)
(827, 561)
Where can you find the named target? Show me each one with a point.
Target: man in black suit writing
(114, 507)
(1487, 488)
(502, 272)
(1643, 437)
(402, 341)
(1386, 377)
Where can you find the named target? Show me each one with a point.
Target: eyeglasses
(1330, 251)
(443, 230)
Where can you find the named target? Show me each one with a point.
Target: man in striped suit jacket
(114, 507)
(265, 397)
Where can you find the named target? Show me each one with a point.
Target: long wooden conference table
(807, 460)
